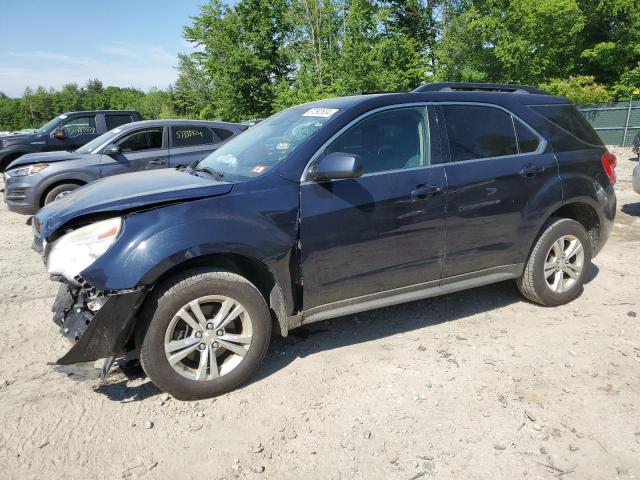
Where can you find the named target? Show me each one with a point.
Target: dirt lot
(479, 384)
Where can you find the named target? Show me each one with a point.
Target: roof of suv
(152, 123)
(100, 111)
(500, 94)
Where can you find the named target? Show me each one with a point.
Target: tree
(579, 89)
(244, 54)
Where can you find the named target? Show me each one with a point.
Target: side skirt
(408, 294)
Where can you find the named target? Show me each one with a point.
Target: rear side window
(190, 136)
(222, 133)
(479, 132)
(568, 118)
(114, 121)
(150, 139)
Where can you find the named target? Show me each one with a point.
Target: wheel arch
(50, 186)
(250, 268)
(582, 211)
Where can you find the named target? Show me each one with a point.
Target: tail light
(609, 162)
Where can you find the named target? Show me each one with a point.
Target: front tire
(558, 264)
(203, 333)
(59, 192)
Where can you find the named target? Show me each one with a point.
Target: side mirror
(58, 133)
(336, 166)
(111, 150)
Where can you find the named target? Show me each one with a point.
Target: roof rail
(484, 87)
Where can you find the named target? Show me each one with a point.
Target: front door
(496, 176)
(77, 132)
(139, 150)
(381, 231)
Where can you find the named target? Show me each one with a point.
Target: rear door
(188, 143)
(497, 168)
(381, 231)
(143, 149)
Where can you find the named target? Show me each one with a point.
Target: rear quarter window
(570, 121)
(222, 133)
(114, 121)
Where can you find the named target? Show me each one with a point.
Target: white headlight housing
(28, 170)
(75, 251)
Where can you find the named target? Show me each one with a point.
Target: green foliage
(255, 57)
(580, 89)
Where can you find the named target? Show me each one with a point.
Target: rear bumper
(102, 333)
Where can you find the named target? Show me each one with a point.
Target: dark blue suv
(323, 210)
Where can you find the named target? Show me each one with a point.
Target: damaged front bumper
(99, 324)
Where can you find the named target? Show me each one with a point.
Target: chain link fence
(617, 123)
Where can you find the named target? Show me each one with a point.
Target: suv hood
(124, 193)
(45, 157)
(19, 139)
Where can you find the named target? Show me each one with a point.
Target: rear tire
(59, 191)
(190, 308)
(558, 264)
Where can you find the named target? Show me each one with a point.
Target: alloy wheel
(564, 263)
(208, 338)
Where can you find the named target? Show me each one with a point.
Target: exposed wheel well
(253, 270)
(585, 215)
(57, 184)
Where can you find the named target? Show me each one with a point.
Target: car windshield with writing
(267, 144)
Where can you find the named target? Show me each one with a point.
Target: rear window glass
(479, 132)
(223, 133)
(190, 135)
(114, 121)
(570, 120)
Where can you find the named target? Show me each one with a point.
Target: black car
(323, 210)
(36, 179)
(67, 131)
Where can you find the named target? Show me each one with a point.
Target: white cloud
(121, 64)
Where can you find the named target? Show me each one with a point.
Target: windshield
(96, 142)
(51, 124)
(268, 143)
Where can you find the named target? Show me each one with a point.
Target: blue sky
(123, 43)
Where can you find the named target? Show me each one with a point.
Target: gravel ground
(478, 384)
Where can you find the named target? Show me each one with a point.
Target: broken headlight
(75, 251)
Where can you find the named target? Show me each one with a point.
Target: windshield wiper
(210, 171)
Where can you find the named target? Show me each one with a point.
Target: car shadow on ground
(386, 322)
(632, 209)
(344, 331)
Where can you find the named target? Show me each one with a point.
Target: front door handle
(531, 170)
(424, 191)
(156, 162)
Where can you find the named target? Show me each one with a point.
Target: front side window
(479, 132)
(141, 140)
(388, 140)
(79, 126)
(191, 136)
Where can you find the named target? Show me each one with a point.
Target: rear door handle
(531, 170)
(156, 162)
(424, 191)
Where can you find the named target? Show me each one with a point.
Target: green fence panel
(617, 123)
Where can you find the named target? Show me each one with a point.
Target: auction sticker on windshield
(320, 112)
